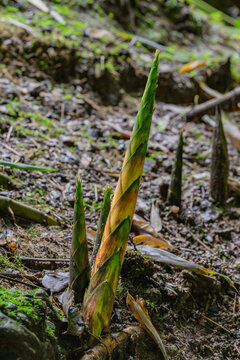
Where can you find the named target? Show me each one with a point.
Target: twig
(234, 304)
(26, 259)
(18, 281)
(10, 149)
(166, 228)
(199, 110)
(44, 263)
(9, 132)
(215, 323)
(201, 242)
(25, 276)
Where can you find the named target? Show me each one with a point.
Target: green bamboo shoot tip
(79, 264)
(175, 189)
(219, 163)
(99, 299)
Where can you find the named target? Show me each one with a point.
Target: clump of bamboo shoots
(175, 189)
(99, 298)
(79, 262)
(219, 163)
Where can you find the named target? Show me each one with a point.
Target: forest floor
(69, 96)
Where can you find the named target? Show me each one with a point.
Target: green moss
(15, 302)
(51, 332)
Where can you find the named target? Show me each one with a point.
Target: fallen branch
(115, 342)
(22, 276)
(10, 278)
(199, 110)
(26, 212)
(44, 263)
(30, 259)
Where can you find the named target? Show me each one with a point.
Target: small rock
(149, 165)
(209, 238)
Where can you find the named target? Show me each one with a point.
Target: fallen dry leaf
(141, 226)
(152, 241)
(139, 311)
(192, 65)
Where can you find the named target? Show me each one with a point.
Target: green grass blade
(26, 166)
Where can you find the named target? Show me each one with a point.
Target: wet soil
(58, 109)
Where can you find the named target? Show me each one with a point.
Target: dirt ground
(58, 109)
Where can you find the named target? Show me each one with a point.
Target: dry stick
(10, 149)
(44, 263)
(18, 281)
(234, 304)
(199, 110)
(26, 212)
(112, 342)
(19, 275)
(201, 242)
(29, 259)
(215, 323)
(102, 222)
